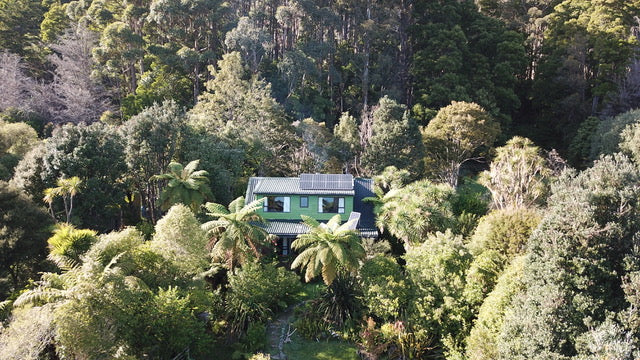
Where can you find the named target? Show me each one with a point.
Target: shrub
(606, 138)
(437, 272)
(114, 244)
(386, 291)
(506, 231)
(156, 270)
(500, 236)
(407, 343)
(573, 277)
(309, 323)
(470, 198)
(29, 335)
(254, 340)
(257, 291)
(341, 304)
(372, 342)
(178, 237)
(174, 327)
(482, 341)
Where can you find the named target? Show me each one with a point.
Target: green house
(320, 196)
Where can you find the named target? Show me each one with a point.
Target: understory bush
(256, 292)
(253, 341)
(337, 310)
(394, 340)
(386, 289)
(341, 305)
(309, 323)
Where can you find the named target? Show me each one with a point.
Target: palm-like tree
(68, 244)
(411, 212)
(327, 248)
(399, 216)
(234, 236)
(185, 185)
(66, 189)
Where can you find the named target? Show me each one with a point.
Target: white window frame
(286, 204)
(341, 206)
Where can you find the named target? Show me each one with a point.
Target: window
(277, 204)
(331, 205)
(304, 201)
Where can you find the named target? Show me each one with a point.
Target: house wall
(312, 210)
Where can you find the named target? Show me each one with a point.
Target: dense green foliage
(458, 133)
(539, 67)
(24, 228)
(577, 258)
(499, 237)
(386, 291)
(483, 337)
(413, 211)
(437, 269)
(395, 140)
(489, 248)
(68, 244)
(93, 153)
(185, 185)
(151, 141)
(115, 307)
(16, 139)
(178, 236)
(462, 55)
(257, 291)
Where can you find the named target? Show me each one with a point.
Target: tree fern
(327, 248)
(234, 236)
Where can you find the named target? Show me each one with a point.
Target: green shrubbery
(255, 339)
(257, 291)
(500, 236)
(309, 322)
(386, 290)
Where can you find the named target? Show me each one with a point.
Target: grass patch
(219, 350)
(311, 291)
(300, 348)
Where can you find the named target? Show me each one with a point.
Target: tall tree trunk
(365, 70)
(196, 83)
(70, 208)
(66, 207)
(133, 80)
(405, 52)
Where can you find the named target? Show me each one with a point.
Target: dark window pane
(275, 204)
(329, 205)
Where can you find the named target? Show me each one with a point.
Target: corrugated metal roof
(283, 228)
(289, 185)
(369, 233)
(364, 188)
(250, 195)
(287, 228)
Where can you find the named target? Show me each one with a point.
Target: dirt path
(277, 333)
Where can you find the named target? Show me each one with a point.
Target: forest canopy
(501, 137)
